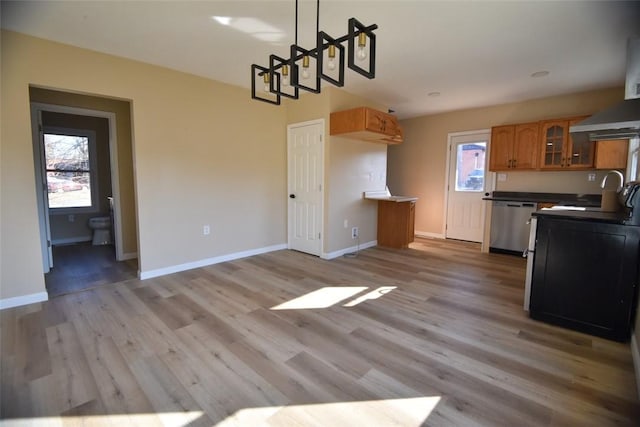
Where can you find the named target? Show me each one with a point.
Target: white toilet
(101, 226)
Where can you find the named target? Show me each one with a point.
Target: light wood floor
(445, 342)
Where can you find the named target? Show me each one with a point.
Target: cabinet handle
(515, 163)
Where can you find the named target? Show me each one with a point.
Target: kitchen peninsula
(585, 271)
(396, 218)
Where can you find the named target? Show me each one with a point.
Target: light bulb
(305, 67)
(361, 53)
(332, 58)
(265, 78)
(285, 75)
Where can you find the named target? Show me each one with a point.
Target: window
(633, 167)
(70, 167)
(470, 166)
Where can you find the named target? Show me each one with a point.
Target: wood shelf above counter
(366, 124)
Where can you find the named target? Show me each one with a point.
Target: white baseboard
(636, 360)
(209, 261)
(429, 234)
(71, 240)
(23, 300)
(336, 254)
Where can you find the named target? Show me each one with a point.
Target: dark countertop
(593, 215)
(588, 200)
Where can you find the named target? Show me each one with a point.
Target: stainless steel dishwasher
(509, 228)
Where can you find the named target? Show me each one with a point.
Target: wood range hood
(366, 124)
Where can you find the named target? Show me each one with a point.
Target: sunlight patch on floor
(332, 295)
(410, 412)
(151, 419)
(321, 298)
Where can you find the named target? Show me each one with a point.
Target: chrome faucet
(620, 176)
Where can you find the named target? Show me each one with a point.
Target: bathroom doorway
(84, 177)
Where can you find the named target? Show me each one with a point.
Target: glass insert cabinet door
(581, 153)
(555, 138)
(560, 151)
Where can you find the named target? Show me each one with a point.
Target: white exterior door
(466, 185)
(305, 172)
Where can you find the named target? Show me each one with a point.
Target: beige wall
(122, 111)
(204, 153)
(417, 167)
(351, 167)
(356, 167)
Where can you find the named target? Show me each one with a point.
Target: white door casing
(305, 157)
(36, 111)
(41, 189)
(466, 184)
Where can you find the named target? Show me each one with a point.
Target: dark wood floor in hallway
(82, 266)
(433, 335)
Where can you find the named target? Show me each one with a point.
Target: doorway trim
(321, 170)
(36, 109)
(489, 176)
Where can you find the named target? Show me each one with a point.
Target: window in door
(70, 169)
(633, 164)
(470, 166)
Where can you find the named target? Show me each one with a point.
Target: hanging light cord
(296, 22)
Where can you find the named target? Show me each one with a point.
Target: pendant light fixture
(304, 69)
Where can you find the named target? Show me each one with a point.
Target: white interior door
(305, 171)
(466, 185)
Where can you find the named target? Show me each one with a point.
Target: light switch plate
(502, 177)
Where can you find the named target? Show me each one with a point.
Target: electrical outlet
(354, 232)
(591, 176)
(71, 218)
(206, 230)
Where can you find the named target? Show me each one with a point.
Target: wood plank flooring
(433, 335)
(82, 266)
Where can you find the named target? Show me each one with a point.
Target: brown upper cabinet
(560, 151)
(366, 124)
(514, 147)
(612, 154)
(547, 145)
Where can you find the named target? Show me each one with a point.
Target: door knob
(292, 196)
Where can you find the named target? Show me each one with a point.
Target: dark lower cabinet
(585, 276)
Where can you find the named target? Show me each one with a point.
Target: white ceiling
(475, 53)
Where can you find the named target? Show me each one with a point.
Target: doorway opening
(84, 180)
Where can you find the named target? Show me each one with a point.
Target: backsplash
(552, 182)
